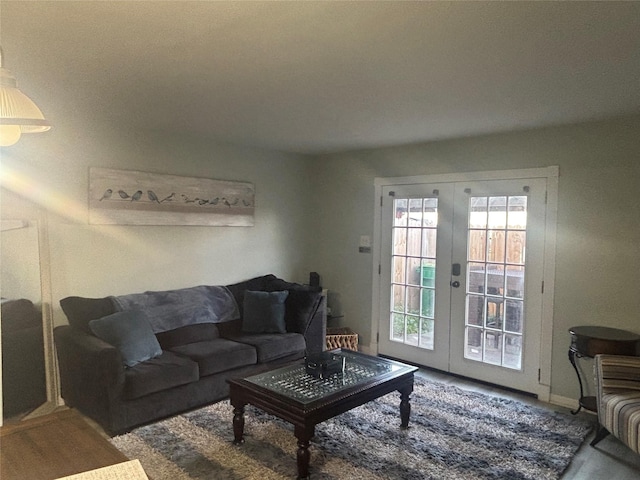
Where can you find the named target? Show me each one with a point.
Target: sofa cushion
(130, 332)
(198, 332)
(80, 310)
(299, 309)
(219, 355)
(272, 346)
(161, 373)
(264, 312)
(230, 329)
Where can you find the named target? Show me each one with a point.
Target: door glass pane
(475, 277)
(415, 212)
(517, 215)
(413, 271)
(429, 242)
(399, 241)
(398, 272)
(493, 348)
(473, 349)
(400, 209)
(426, 334)
(495, 280)
(413, 328)
(397, 326)
(397, 300)
(494, 312)
(515, 247)
(413, 300)
(414, 241)
(513, 351)
(497, 212)
(513, 316)
(495, 250)
(427, 310)
(428, 275)
(430, 212)
(477, 245)
(478, 213)
(515, 281)
(475, 310)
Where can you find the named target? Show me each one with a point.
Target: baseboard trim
(44, 409)
(368, 350)
(566, 402)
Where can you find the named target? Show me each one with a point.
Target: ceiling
(317, 77)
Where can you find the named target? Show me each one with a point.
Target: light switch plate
(365, 241)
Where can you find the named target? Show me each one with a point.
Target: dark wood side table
(589, 341)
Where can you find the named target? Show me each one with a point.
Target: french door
(461, 275)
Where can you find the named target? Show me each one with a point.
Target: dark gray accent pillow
(131, 333)
(81, 310)
(264, 312)
(254, 284)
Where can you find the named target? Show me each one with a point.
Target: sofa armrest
(316, 333)
(91, 371)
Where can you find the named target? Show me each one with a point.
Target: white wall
(598, 253)
(310, 212)
(90, 260)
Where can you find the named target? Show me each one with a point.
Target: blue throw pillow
(131, 333)
(263, 312)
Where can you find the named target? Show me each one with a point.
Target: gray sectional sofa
(129, 360)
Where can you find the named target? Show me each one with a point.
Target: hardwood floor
(53, 446)
(609, 460)
(64, 443)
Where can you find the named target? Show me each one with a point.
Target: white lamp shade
(18, 113)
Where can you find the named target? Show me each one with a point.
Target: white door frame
(551, 175)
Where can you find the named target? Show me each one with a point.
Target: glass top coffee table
(297, 397)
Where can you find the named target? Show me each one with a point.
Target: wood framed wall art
(127, 197)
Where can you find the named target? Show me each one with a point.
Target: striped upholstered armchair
(618, 397)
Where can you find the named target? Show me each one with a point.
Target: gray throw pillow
(131, 333)
(263, 312)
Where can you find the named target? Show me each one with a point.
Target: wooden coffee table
(303, 400)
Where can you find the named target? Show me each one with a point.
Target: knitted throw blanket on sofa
(172, 309)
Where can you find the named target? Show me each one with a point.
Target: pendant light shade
(18, 113)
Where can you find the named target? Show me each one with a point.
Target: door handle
(455, 284)
(455, 269)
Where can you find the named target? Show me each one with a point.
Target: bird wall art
(127, 197)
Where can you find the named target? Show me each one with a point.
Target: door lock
(455, 284)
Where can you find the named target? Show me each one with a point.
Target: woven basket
(342, 338)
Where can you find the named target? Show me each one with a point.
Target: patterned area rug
(453, 434)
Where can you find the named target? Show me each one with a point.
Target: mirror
(23, 352)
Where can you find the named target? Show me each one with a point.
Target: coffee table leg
(405, 406)
(238, 424)
(303, 456)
